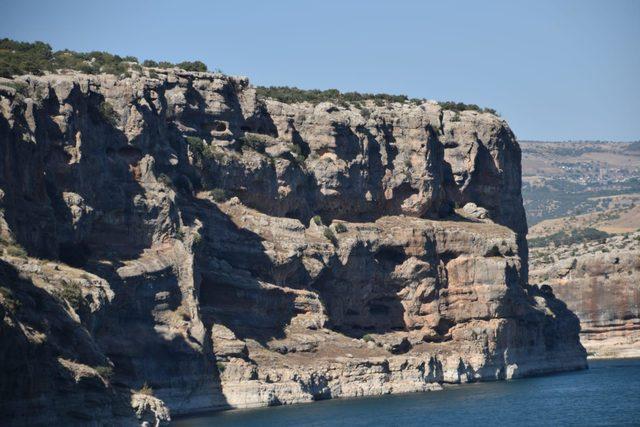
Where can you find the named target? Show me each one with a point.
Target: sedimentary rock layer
(188, 240)
(600, 281)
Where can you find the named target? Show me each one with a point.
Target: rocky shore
(173, 243)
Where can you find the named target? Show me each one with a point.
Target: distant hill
(576, 177)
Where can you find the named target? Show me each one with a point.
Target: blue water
(608, 394)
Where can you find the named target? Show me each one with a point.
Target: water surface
(608, 394)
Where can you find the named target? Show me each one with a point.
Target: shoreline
(438, 387)
(497, 403)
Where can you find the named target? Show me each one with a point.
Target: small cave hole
(74, 254)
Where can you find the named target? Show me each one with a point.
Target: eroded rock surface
(600, 281)
(188, 240)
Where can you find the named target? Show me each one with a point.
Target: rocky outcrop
(600, 281)
(187, 240)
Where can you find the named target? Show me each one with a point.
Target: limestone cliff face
(601, 283)
(232, 252)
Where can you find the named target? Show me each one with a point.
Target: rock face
(188, 240)
(600, 281)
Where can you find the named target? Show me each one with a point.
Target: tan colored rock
(249, 302)
(600, 282)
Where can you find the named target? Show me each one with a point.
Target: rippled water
(606, 394)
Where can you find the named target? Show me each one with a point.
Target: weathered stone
(601, 284)
(256, 301)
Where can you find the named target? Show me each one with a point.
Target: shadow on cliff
(105, 180)
(102, 170)
(234, 276)
(38, 339)
(361, 296)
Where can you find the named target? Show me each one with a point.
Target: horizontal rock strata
(600, 281)
(188, 243)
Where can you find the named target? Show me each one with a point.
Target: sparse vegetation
(291, 95)
(20, 87)
(297, 153)
(219, 195)
(106, 372)
(38, 57)
(192, 66)
(562, 238)
(367, 338)
(328, 234)
(317, 220)
(461, 106)
(197, 238)
(16, 251)
(340, 228)
(220, 367)
(146, 389)
(198, 146)
(9, 299)
(253, 141)
(108, 113)
(71, 292)
(203, 151)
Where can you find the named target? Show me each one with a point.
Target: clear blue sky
(554, 69)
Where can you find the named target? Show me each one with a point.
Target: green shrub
(20, 87)
(290, 95)
(108, 113)
(340, 228)
(461, 106)
(328, 234)
(221, 367)
(72, 293)
(198, 147)
(297, 153)
(193, 66)
(367, 338)
(456, 117)
(105, 371)
(36, 58)
(24, 58)
(10, 301)
(219, 195)
(252, 141)
(197, 238)
(317, 220)
(17, 251)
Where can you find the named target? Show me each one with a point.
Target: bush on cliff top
(290, 95)
(36, 58)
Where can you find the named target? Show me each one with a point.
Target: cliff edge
(172, 241)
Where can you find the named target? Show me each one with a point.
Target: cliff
(171, 234)
(600, 281)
